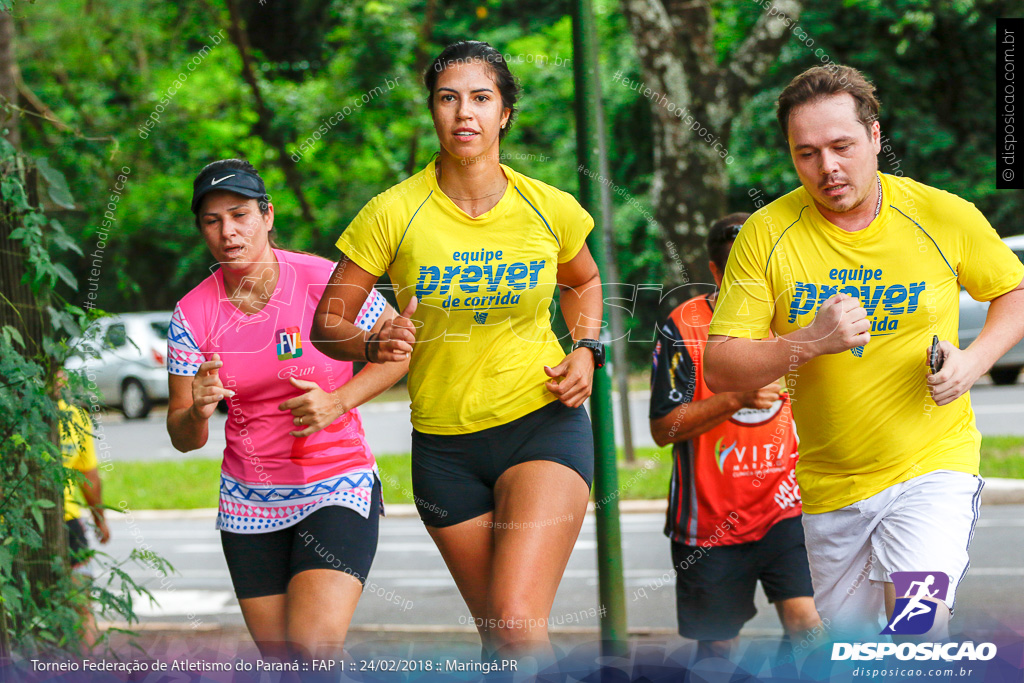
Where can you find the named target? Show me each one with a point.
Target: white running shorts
(923, 524)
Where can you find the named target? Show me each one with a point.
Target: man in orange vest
(734, 504)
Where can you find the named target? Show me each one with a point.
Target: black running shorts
(78, 544)
(332, 537)
(453, 475)
(715, 591)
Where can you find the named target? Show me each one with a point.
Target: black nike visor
(231, 180)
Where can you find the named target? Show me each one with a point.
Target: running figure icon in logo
(914, 613)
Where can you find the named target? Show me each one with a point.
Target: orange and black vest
(734, 482)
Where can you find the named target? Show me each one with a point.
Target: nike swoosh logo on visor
(219, 180)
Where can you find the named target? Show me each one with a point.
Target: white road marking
(185, 602)
(387, 407)
(191, 534)
(405, 574)
(198, 548)
(198, 602)
(400, 547)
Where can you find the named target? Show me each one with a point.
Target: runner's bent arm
(375, 378)
(581, 302)
(739, 364)
(689, 420)
(92, 491)
(335, 333)
(1004, 327)
(320, 409)
(193, 400)
(579, 283)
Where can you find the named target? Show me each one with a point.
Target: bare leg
(319, 610)
(798, 616)
(804, 630)
(264, 617)
(716, 648)
(539, 509)
(468, 549)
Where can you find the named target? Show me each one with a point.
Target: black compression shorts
(332, 537)
(453, 475)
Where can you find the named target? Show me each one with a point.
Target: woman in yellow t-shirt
(502, 453)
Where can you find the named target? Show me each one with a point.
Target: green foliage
(42, 618)
(933, 65)
(1002, 456)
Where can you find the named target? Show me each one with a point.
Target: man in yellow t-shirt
(854, 272)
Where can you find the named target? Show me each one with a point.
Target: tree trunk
(8, 78)
(694, 100)
(420, 63)
(8, 257)
(264, 118)
(28, 315)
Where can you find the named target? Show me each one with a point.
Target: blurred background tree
(94, 71)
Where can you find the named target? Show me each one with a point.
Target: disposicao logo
(914, 614)
(921, 652)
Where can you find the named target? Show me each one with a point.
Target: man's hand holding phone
(952, 372)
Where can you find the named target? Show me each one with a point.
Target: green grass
(162, 485)
(1002, 456)
(192, 483)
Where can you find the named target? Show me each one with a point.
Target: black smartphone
(935, 357)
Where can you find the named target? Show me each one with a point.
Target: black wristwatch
(595, 346)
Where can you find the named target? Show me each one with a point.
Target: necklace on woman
(469, 199)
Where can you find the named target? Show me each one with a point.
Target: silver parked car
(131, 371)
(972, 319)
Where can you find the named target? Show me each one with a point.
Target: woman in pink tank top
(299, 491)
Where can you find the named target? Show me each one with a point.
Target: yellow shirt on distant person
(865, 416)
(485, 287)
(79, 453)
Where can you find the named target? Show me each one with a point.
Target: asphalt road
(999, 410)
(409, 584)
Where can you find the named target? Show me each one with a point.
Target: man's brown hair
(819, 82)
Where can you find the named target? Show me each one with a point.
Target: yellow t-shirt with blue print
(865, 416)
(79, 453)
(485, 287)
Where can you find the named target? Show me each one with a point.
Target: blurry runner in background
(79, 451)
(734, 505)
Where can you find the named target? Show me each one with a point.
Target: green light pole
(589, 152)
